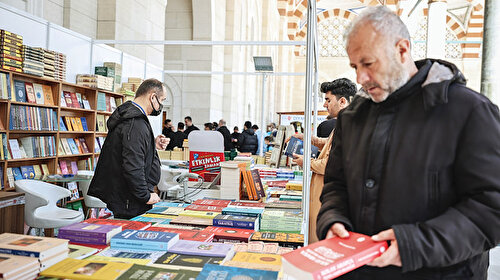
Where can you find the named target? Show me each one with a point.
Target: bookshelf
(42, 120)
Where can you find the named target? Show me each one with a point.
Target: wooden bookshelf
(58, 88)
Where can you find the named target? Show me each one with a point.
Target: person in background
(129, 167)
(226, 134)
(189, 125)
(268, 140)
(178, 137)
(415, 160)
(248, 140)
(167, 128)
(257, 132)
(272, 130)
(235, 136)
(209, 126)
(215, 126)
(180, 128)
(338, 95)
(326, 127)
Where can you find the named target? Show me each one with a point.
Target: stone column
(436, 29)
(490, 85)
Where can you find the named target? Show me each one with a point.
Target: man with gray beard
(415, 161)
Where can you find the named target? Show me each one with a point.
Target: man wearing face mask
(129, 167)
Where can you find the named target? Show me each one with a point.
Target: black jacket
(235, 135)
(248, 142)
(189, 129)
(325, 128)
(128, 167)
(425, 162)
(228, 145)
(176, 140)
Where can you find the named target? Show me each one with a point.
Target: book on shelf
(32, 118)
(221, 272)
(78, 145)
(74, 168)
(47, 93)
(144, 240)
(20, 91)
(79, 99)
(2, 186)
(30, 93)
(330, 258)
(62, 101)
(65, 145)
(38, 172)
(39, 96)
(68, 100)
(83, 121)
(143, 272)
(106, 118)
(86, 269)
(89, 233)
(16, 172)
(101, 124)
(14, 149)
(73, 188)
(97, 147)
(68, 122)
(85, 164)
(45, 169)
(86, 103)
(78, 122)
(74, 100)
(133, 225)
(28, 172)
(33, 246)
(64, 167)
(83, 143)
(101, 101)
(5, 92)
(112, 103)
(10, 177)
(62, 125)
(198, 248)
(108, 103)
(185, 261)
(74, 124)
(72, 146)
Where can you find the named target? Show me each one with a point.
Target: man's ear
(403, 49)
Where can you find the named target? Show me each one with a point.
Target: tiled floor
(494, 271)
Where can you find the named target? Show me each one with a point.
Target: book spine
(137, 244)
(230, 240)
(236, 224)
(20, 253)
(246, 214)
(83, 239)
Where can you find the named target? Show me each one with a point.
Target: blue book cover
(171, 204)
(20, 91)
(149, 219)
(220, 272)
(25, 172)
(84, 123)
(296, 146)
(62, 126)
(54, 120)
(1, 178)
(142, 239)
(101, 101)
(17, 173)
(72, 146)
(249, 212)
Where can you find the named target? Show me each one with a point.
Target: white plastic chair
(167, 180)
(41, 210)
(91, 202)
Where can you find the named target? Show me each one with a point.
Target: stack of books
(89, 233)
(60, 66)
(33, 60)
(132, 84)
(95, 81)
(144, 240)
(123, 223)
(18, 267)
(230, 179)
(49, 63)
(118, 73)
(283, 220)
(245, 222)
(48, 251)
(10, 51)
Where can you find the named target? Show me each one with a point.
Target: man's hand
(391, 256)
(161, 142)
(337, 229)
(298, 159)
(296, 135)
(154, 198)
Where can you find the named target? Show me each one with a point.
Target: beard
(396, 77)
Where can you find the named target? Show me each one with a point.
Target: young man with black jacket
(129, 167)
(248, 140)
(415, 161)
(228, 145)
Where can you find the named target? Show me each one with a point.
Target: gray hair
(383, 20)
(222, 122)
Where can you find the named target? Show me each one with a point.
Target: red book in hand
(332, 257)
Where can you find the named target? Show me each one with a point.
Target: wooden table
(12, 212)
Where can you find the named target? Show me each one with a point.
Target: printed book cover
(123, 223)
(143, 272)
(332, 257)
(184, 261)
(228, 234)
(86, 270)
(201, 248)
(141, 239)
(219, 272)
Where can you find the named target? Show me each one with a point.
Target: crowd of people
(246, 141)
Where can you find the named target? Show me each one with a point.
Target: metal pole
(262, 111)
(201, 43)
(311, 16)
(316, 79)
(490, 85)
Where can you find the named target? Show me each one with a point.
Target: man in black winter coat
(415, 161)
(228, 145)
(189, 125)
(129, 167)
(248, 142)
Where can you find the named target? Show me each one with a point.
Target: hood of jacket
(434, 76)
(249, 131)
(124, 112)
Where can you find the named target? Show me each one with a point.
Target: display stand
(206, 151)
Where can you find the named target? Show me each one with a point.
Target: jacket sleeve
(318, 166)
(135, 143)
(471, 226)
(334, 207)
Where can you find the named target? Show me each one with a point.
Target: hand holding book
(391, 255)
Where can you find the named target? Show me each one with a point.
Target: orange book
(47, 92)
(79, 145)
(248, 187)
(252, 185)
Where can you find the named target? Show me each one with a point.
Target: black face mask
(156, 112)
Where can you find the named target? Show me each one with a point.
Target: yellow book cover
(79, 124)
(293, 186)
(159, 216)
(271, 259)
(199, 214)
(101, 125)
(121, 260)
(86, 269)
(74, 124)
(47, 92)
(261, 266)
(45, 169)
(69, 126)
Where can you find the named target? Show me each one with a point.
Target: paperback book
(89, 233)
(184, 261)
(236, 221)
(144, 240)
(225, 234)
(219, 272)
(86, 270)
(123, 223)
(201, 248)
(143, 272)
